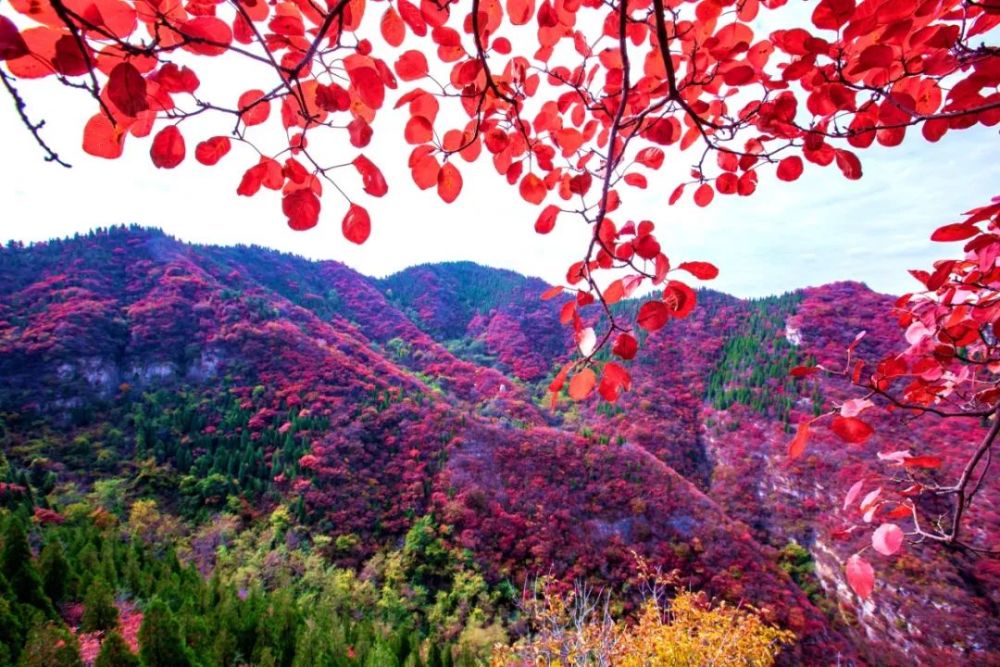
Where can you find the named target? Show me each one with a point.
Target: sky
(820, 229)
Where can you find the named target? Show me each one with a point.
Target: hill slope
(214, 377)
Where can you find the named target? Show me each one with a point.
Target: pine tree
(116, 653)
(160, 641)
(11, 629)
(99, 611)
(18, 567)
(55, 570)
(50, 646)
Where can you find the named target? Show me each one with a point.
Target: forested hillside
(243, 457)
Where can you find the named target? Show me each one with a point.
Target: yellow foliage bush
(577, 630)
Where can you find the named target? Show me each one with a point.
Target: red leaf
(294, 171)
(625, 346)
(547, 219)
(848, 163)
(425, 171)
(369, 85)
(887, 539)
(449, 182)
(412, 16)
(832, 14)
(435, 14)
(301, 207)
(212, 36)
(675, 195)
(646, 247)
(371, 176)
(803, 371)
(651, 157)
(253, 111)
(392, 27)
(360, 132)
(680, 298)
(636, 181)
(273, 174)
(411, 66)
(418, 130)
(289, 26)
(790, 168)
(212, 150)
(582, 384)
(726, 183)
(860, 576)
(69, 60)
(931, 462)
(739, 75)
(703, 195)
(661, 265)
(956, 232)
(356, 224)
(663, 131)
(567, 312)
(251, 181)
(614, 292)
(798, 443)
(560, 379)
(102, 138)
(532, 189)
(552, 293)
(899, 512)
(700, 270)
(12, 45)
(520, 11)
(851, 429)
(934, 129)
(168, 148)
(871, 500)
(176, 79)
(853, 493)
(653, 315)
(332, 98)
(874, 56)
(127, 89)
(614, 380)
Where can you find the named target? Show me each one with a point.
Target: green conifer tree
(116, 653)
(160, 641)
(18, 567)
(49, 645)
(55, 570)
(11, 628)
(99, 610)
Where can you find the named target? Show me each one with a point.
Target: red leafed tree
(575, 102)
(950, 368)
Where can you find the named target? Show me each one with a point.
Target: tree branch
(34, 128)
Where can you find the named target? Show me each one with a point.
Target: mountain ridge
(286, 381)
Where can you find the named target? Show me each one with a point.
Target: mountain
(234, 382)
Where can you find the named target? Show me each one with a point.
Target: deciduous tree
(948, 369)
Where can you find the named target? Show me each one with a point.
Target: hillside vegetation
(244, 457)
